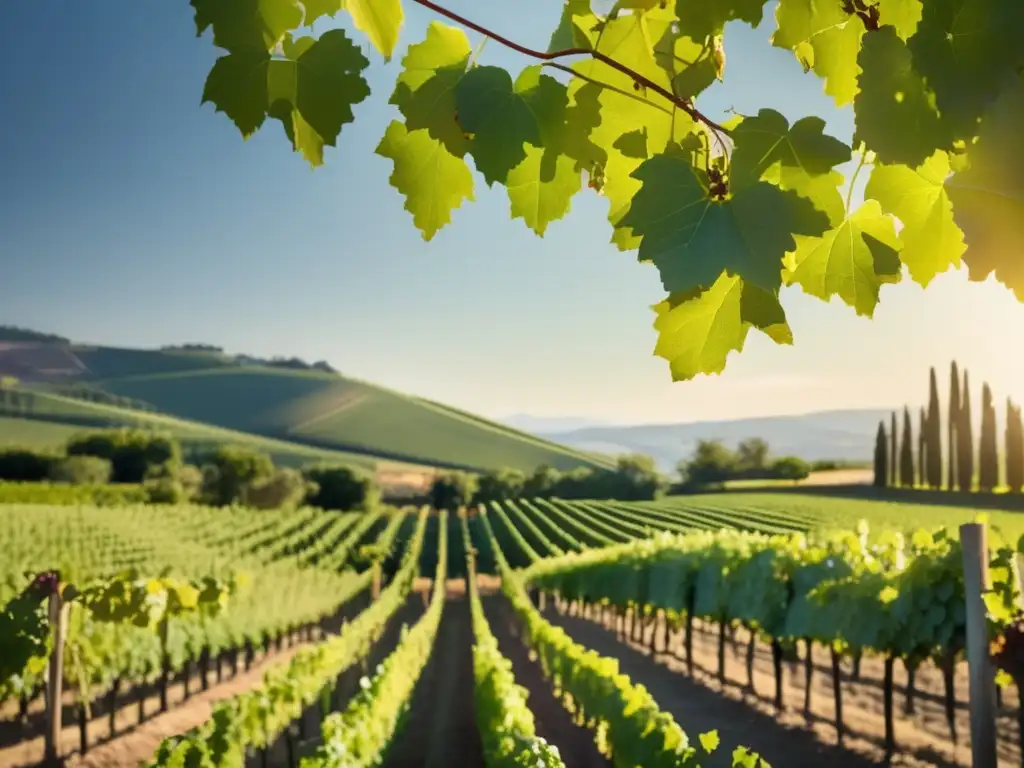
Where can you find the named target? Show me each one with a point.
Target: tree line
(900, 461)
(713, 464)
(222, 476)
(634, 478)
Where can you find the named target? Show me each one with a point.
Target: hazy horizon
(131, 216)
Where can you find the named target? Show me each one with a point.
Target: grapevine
(728, 211)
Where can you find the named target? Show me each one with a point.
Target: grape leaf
(701, 18)
(824, 38)
(932, 242)
(903, 15)
(988, 196)
(698, 329)
(312, 91)
(425, 90)
(851, 261)
(237, 86)
(964, 51)
(244, 25)
(503, 116)
(433, 181)
(379, 20)
(895, 115)
(693, 65)
(577, 16)
(692, 238)
(798, 158)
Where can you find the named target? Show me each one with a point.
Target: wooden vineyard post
(981, 675)
(55, 679)
(375, 589)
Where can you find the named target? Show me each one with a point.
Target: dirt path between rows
(554, 724)
(439, 730)
(138, 744)
(784, 738)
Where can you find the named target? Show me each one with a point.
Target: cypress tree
(881, 457)
(954, 419)
(923, 449)
(988, 453)
(894, 475)
(1014, 450)
(934, 438)
(965, 441)
(907, 452)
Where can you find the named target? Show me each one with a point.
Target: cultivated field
(204, 396)
(278, 663)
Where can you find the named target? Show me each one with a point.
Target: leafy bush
(133, 452)
(82, 470)
(452, 490)
(230, 470)
(26, 465)
(284, 489)
(342, 488)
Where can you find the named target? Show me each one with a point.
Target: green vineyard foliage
(727, 212)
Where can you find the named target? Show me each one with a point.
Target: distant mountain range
(846, 435)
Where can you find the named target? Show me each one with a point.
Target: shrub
(284, 489)
(26, 465)
(165, 490)
(133, 453)
(342, 488)
(452, 490)
(229, 470)
(82, 470)
(790, 468)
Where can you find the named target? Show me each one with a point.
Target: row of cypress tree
(896, 464)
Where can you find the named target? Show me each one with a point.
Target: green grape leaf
(964, 52)
(313, 91)
(698, 329)
(798, 158)
(425, 90)
(245, 25)
(988, 196)
(851, 261)
(709, 741)
(693, 65)
(433, 181)
(904, 15)
(379, 20)
(700, 18)
(541, 187)
(237, 86)
(824, 38)
(691, 238)
(503, 117)
(932, 242)
(577, 17)
(895, 114)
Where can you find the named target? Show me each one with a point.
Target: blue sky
(130, 215)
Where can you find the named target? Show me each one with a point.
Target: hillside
(842, 435)
(310, 410)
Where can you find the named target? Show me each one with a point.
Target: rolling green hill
(206, 396)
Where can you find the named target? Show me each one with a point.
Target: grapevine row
(503, 717)
(622, 713)
(257, 718)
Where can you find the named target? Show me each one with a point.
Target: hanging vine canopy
(728, 213)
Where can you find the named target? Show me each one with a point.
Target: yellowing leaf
(433, 181)
(379, 20)
(932, 242)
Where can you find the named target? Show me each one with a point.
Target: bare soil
(788, 737)
(554, 724)
(439, 730)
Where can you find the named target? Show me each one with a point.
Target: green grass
(55, 418)
(832, 512)
(330, 412)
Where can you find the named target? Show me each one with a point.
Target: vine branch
(684, 104)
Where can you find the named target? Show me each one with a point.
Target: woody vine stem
(684, 104)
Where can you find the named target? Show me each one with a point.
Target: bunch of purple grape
(1008, 650)
(45, 583)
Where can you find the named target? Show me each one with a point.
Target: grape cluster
(1008, 649)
